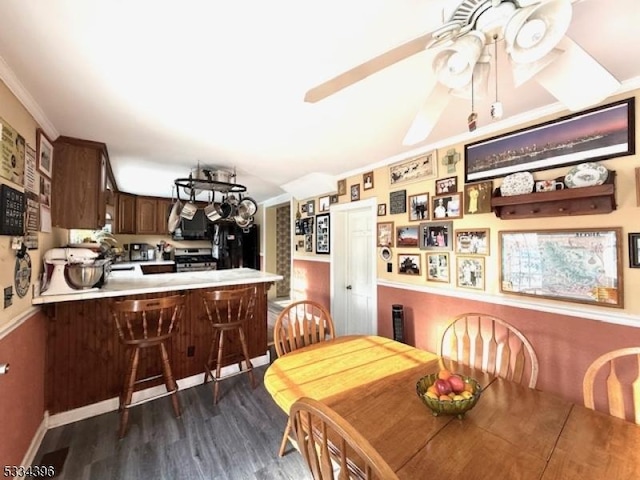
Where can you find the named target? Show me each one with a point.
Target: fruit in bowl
(448, 393)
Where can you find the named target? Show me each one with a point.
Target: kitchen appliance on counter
(140, 252)
(73, 270)
(194, 259)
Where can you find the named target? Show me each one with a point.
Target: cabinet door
(163, 208)
(76, 200)
(126, 213)
(146, 215)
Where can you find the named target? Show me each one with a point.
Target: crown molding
(22, 94)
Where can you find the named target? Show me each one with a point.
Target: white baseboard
(111, 404)
(36, 441)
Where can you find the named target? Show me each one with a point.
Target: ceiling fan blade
(367, 68)
(428, 115)
(573, 66)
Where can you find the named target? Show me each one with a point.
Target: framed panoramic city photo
(599, 133)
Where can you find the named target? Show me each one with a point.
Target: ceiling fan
(533, 33)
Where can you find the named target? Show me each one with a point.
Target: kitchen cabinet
(79, 194)
(126, 216)
(162, 215)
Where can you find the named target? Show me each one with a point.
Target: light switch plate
(8, 296)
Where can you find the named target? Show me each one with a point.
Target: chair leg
(247, 359)
(212, 348)
(216, 380)
(285, 438)
(127, 391)
(169, 381)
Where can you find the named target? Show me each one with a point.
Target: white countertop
(134, 282)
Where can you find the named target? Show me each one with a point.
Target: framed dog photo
(470, 272)
(472, 242)
(447, 206)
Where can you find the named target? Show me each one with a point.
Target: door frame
(338, 242)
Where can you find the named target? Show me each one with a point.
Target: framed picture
(45, 191)
(333, 198)
(417, 168)
(638, 186)
(398, 202)
(44, 153)
(436, 235)
(447, 206)
(470, 272)
(385, 234)
(574, 265)
(477, 197)
(342, 187)
(355, 192)
(306, 225)
(446, 185)
(382, 209)
(409, 264)
(472, 242)
(407, 236)
(419, 207)
(323, 204)
(367, 180)
(308, 243)
(438, 267)
(323, 232)
(634, 250)
(311, 207)
(599, 133)
(303, 208)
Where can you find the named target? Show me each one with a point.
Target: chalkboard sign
(398, 202)
(11, 211)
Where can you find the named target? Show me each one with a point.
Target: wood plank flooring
(236, 440)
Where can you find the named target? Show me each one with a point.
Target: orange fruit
(445, 398)
(444, 374)
(468, 388)
(433, 390)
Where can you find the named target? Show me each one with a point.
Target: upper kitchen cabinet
(81, 177)
(126, 216)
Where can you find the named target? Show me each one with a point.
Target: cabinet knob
(561, 209)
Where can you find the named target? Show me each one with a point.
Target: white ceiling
(169, 84)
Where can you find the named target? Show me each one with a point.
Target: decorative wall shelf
(596, 200)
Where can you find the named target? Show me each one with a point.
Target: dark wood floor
(238, 439)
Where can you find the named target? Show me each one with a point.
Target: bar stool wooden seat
(143, 324)
(228, 312)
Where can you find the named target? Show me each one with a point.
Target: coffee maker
(55, 280)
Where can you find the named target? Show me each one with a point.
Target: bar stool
(228, 311)
(145, 324)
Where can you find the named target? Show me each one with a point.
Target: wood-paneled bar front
(86, 362)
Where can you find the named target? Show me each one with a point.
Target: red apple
(442, 386)
(457, 383)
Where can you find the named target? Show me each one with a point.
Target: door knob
(348, 287)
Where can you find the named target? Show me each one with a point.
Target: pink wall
(565, 345)
(22, 389)
(311, 281)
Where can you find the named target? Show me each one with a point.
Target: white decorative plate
(517, 184)
(586, 175)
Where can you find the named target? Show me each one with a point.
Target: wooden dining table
(513, 432)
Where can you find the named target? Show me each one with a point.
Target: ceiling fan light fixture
(454, 65)
(534, 31)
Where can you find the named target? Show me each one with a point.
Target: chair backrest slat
(617, 365)
(332, 447)
(140, 320)
(491, 344)
(300, 324)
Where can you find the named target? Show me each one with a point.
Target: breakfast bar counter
(85, 361)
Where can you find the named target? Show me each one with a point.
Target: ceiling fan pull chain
(471, 119)
(496, 107)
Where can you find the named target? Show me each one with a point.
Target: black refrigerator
(235, 247)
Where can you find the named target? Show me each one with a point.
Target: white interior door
(353, 268)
